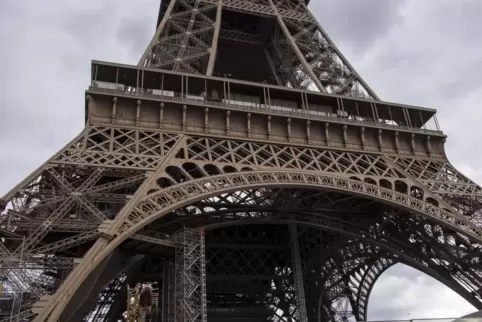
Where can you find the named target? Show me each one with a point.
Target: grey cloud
(441, 70)
(357, 24)
(404, 293)
(136, 33)
(420, 47)
(45, 67)
(464, 80)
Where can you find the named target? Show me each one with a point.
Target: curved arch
(432, 201)
(157, 204)
(368, 279)
(193, 170)
(134, 217)
(417, 192)
(388, 244)
(401, 186)
(177, 174)
(229, 169)
(370, 181)
(365, 286)
(385, 184)
(211, 169)
(301, 217)
(163, 183)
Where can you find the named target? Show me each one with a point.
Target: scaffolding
(190, 271)
(300, 313)
(168, 294)
(133, 303)
(16, 283)
(142, 303)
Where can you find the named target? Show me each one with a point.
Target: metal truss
(235, 226)
(250, 274)
(107, 299)
(142, 303)
(303, 54)
(61, 206)
(189, 170)
(361, 284)
(309, 55)
(185, 38)
(133, 311)
(300, 313)
(167, 301)
(190, 265)
(355, 280)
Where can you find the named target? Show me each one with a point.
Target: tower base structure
(193, 197)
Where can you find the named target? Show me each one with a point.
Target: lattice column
(132, 303)
(184, 39)
(190, 277)
(298, 275)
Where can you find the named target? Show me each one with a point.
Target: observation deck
(225, 93)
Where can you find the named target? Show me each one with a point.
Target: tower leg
(86, 298)
(298, 275)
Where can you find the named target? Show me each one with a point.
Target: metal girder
(122, 186)
(106, 299)
(434, 251)
(190, 266)
(68, 200)
(298, 275)
(187, 40)
(376, 177)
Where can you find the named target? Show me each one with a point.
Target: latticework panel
(299, 51)
(190, 268)
(236, 226)
(307, 56)
(184, 43)
(59, 208)
(107, 299)
(250, 273)
(111, 182)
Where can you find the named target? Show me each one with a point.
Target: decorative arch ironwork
(160, 202)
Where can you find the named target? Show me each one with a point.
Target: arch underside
(247, 235)
(355, 215)
(348, 260)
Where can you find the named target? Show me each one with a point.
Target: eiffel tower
(243, 171)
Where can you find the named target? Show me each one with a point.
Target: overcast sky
(420, 52)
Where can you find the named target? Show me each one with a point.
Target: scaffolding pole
(298, 275)
(168, 291)
(190, 266)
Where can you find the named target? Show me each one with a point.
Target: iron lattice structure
(247, 169)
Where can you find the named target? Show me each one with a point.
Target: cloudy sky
(420, 52)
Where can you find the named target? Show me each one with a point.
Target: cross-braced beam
(306, 193)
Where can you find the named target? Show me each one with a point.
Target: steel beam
(214, 44)
(298, 274)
